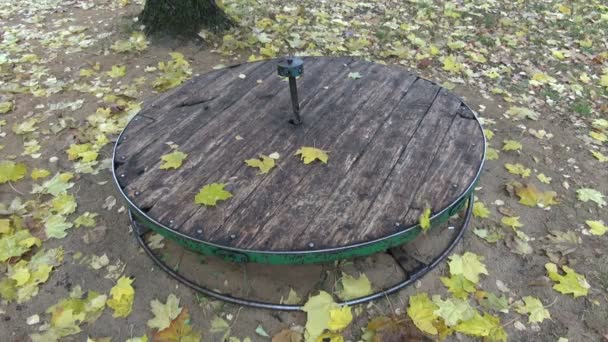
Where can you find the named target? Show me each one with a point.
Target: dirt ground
(564, 157)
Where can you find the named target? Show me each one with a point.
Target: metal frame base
(421, 270)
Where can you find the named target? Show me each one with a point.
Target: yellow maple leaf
(491, 153)
(535, 309)
(599, 136)
(39, 173)
(511, 221)
(123, 295)
(480, 210)
(458, 285)
(317, 310)
(6, 107)
(529, 195)
(451, 64)
(599, 156)
(597, 227)
(339, 318)
(210, 194)
(11, 171)
(425, 219)
(518, 169)
(483, 326)
(570, 283)
(470, 265)
(172, 160)
(543, 178)
(179, 330)
(511, 145)
(264, 163)
(310, 154)
(117, 71)
(351, 287)
(422, 312)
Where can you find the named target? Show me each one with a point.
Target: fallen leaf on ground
(351, 287)
(597, 227)
(165, 313)
(570, 283)
(588, 194)
(535, 309)
(469, 265)
(339, 318)
(123, 295)
(529, 195)
(179, 330)
(422, 311)
(317, 310)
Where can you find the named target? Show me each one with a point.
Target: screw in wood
(232, 236)
(136, 193)
(123, 157)
(311, 244)
(122, 175)
(200, 231)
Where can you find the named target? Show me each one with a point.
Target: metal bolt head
(136, 193)
(200, 231)
(454, 186)
(123, 157)
(122, 175)
(311, 244)
(232, 236)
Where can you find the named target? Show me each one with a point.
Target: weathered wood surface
(397, 144)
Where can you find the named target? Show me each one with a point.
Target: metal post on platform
(292, 67)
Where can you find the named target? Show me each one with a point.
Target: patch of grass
(581, 107)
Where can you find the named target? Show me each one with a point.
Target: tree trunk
(183, 17)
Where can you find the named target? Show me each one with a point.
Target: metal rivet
(454, 186)
(124, 138)
(123, 157)
(200, 231)
(311, 244)
(171, 222)
(122, 175)
(232, 236)
(135, 119)
(136, 193)
(473, 144)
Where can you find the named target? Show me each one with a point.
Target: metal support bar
(273, 306)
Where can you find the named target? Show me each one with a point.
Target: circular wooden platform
(397, 144)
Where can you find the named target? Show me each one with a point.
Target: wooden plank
(356, 191)
(227, 157)
(310, 199)
(268, 194)
(452, 170)
(400, 186)
(171, 117)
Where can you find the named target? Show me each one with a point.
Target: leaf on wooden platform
(172, 160)
(310, 154)
(212, 193)
(264, 163)
(425, 219)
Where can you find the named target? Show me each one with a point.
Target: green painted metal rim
(296, 257)
(305, 256)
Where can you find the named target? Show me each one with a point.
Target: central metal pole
(293, 89)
